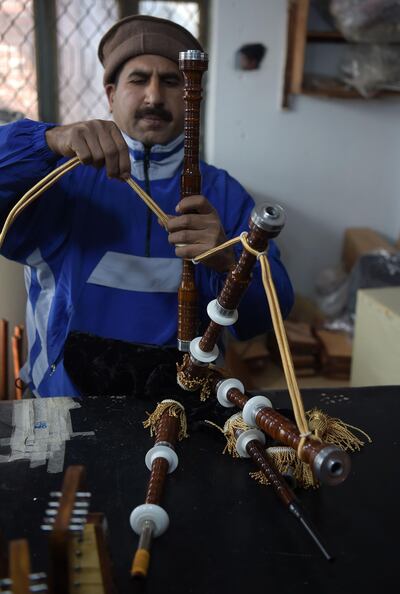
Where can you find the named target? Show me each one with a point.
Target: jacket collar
(163, 159)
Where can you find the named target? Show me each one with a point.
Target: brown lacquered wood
(283, 430)
(63, 543)
(272, 423)
(167, 430)
(236, 283)
(59, 574)
(192, 71)
(16, 347)
(101, 530)
(155, 487)
(3, 359)
(265, 463)
(298, 44)
(20, 566)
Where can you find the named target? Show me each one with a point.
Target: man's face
(147, 101)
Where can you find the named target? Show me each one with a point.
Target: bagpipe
(307, 451)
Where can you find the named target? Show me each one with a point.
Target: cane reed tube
(330, 464)
(192, 64)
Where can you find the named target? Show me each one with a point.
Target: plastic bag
(332, 291)
(370, 21)
(374, 270)
(372, 68)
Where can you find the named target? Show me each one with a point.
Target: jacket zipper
(146, 166)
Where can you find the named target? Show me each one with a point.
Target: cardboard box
(376, 353)
(362, 240)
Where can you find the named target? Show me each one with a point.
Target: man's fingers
(191, 222)
(110, 152)
(81, 149)
(185, 237)
(95, 142)
(188, 252)
(96, 151)
(123, 153)
(198, 204)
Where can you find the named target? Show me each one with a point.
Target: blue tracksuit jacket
(96, 259)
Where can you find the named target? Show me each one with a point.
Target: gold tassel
(324, 428)
(175, 409)
(285, 460)
(233, 424)
(193, 384)
(336, 431)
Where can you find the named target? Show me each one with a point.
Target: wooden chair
(3, 359)
(17, 358)
(16, 349)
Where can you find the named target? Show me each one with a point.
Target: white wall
(330, 163)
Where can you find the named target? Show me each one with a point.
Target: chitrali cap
(141, 34)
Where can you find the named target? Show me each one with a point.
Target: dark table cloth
(227, 533)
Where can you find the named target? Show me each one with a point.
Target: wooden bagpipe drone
(309, 450)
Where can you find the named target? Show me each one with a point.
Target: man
(96, 259)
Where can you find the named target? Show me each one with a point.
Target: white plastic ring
(162, 451)
(200, 355)
(252, 407)
(245, 437)
(224, 388)
(153, 513)
(214, 312)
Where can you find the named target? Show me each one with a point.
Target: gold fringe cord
(336, 431)
(232, 425)
(191, 384)
(285, 460)
(174, 409)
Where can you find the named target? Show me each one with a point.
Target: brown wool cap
(141, 34)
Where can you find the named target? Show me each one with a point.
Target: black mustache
(158, 112)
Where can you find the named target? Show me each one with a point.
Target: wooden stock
(192, 70)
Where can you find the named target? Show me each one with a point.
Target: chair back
(3, 359)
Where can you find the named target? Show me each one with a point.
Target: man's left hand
(198, 229)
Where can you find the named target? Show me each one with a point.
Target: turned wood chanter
(192, 64)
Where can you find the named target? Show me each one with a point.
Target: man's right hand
(97, 143)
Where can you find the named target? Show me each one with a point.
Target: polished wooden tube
(266, 222)
(236, 283)
(329, 463)
(167, 431)
(192, 64)
(264, 462)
